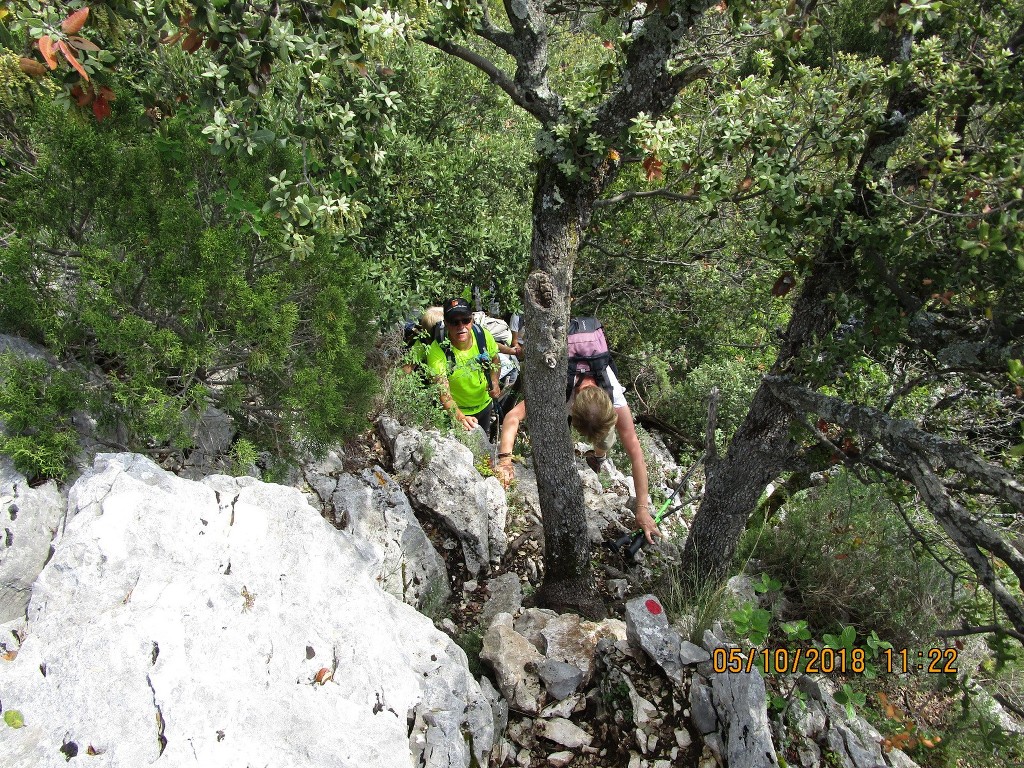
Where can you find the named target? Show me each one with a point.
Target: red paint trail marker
(653, 606)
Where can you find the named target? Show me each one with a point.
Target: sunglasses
(458, 322)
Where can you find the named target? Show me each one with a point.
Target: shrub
(844, 556)
(36, 402)
(162, 272)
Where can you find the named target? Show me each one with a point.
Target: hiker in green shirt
(464, 363)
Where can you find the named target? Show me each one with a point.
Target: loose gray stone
(560, 759)
(690, 654)
(569, 638)
(702, 711)
(506, 597)
(560, 679)
(647, 627)
(512, 657)
(563, 732)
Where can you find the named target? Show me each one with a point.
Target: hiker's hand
(518, 351)
(505, 472)
(495, 393)
(469, 422)
(647, 524)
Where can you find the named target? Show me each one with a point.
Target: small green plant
(413, 402)
(850, 699)
(472, 642)
(843, 642)
(14, 718)
(795, 630)
(243, 456)
(752, 623)
(767, 584)
(435, 604)
(36, 403)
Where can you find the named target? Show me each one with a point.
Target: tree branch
(497, 75)
(900, 433)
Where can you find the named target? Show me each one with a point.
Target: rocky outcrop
(225, 623)
(375, 510)
(30, 518)
(446, 484)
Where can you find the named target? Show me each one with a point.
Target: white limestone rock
(473, 508)
(30, 519)
(374, 508)
(188, 622)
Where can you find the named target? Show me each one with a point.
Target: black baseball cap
(456, 307)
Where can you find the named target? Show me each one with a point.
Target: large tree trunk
(561, 211)
(762, 447)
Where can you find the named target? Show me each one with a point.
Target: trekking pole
(636, 540)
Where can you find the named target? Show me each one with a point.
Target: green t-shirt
(468, 381)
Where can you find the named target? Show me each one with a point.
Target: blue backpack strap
(481, 347)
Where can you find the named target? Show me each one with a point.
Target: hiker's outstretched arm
(509, 430)
(631, 444)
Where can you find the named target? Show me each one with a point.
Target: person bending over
(598, 418)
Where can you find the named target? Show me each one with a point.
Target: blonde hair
(593, 414)
(431, 317)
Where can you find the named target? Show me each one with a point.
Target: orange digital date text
(829, 661)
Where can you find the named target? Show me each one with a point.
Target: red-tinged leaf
(323, 676)
(66, 50)
(46, 48)
(10, 655)
(193, 41)
(106, 92)
(212, 43)
(172, 39)
(75, 21)
(31, 67)
(927, 281)
(746, 184)
(608, 44)
(83, 96)
(613, 155)
(83, 45)
(101, 108)
(783, 285)
(654, 168)
(841, 557)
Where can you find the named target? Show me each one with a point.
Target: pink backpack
(588, 354)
